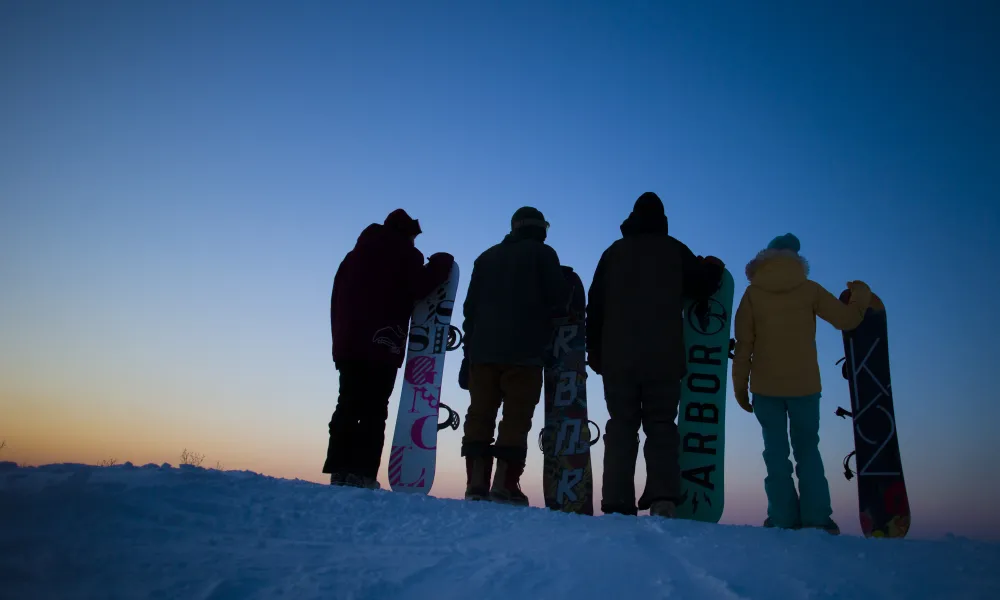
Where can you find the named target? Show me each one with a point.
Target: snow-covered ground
(74, 531)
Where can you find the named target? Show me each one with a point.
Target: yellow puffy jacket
(776, 325)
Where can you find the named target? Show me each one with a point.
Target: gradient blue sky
(179, 181)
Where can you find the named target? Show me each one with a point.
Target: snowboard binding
(455, 338)
(847, 467)
(843, 369)
(593, 440)
(452, 420)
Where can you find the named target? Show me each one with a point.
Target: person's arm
(595, 313)
(555, 288)
(421, 278)
(743, 354)
(469, 308)
(844, 317)
(700, 277)
(333, 301)
(468, 326)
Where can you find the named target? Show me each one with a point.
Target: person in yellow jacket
(775, 360)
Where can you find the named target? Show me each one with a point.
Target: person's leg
(621, 446)
(661, 450)
(522, 389)
(480, 423)
(814, 490)
(343, 423)
(782, 499)
(485, 398)
(372, 415)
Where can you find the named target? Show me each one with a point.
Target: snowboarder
(635, 341)
(374, 291)
(775, 328)
(514, 290)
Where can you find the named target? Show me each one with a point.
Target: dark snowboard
(882, 501)
(567, 477)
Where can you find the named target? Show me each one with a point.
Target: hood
(777, 270)
(400, 221)
(647, 216)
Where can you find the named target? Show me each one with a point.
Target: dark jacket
(634, 324)
(375, 289)
(515, 288)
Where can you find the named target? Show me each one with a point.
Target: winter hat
(528, 216)
(785, 242)
(403, 223)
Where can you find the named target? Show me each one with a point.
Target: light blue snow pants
(795, 419)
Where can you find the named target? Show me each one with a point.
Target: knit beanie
(785, 242)
(528, 216)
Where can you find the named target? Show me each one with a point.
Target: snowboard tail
(414, 443)
(883, 505)
(567, 476)
(701, 415)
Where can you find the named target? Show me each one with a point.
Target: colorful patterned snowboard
(567, 478)
(882, 501)
(414, 442)
(701, 416)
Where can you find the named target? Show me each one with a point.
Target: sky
(179, 182)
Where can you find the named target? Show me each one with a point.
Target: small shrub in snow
(191, 458)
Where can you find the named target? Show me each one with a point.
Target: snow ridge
(74, 531)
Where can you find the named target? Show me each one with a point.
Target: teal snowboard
(701, 416)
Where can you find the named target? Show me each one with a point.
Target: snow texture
(74, 531)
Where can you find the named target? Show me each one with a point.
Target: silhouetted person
(635, 340)
(514, 290)
(775, 359)
(374, 292)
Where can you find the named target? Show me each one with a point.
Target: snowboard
(567, 477)
(882, 501)
(701, 415)
(414, 441)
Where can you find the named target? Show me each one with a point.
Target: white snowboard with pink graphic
(414, 442)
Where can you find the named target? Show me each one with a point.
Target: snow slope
(74, 531)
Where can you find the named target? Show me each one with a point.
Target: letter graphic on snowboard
(883, 505)
(701, 415)
(414, 441)
(567, 477)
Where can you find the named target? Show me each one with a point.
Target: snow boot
(478, 471)
(507, 479)
(620, 509)
(663, 508)
(368, 483)
(830, 527)
(337, 479)
(770, 525)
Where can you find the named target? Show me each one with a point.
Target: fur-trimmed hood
(775, 270)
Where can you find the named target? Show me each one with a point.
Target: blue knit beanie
(785, 242)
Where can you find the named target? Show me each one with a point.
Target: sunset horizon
(179, 183)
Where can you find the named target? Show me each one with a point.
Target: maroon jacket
(376, 287)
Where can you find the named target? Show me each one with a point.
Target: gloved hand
(857, 291)
(463, 375)
(743, 399)
(714, 260)
(442, 257)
